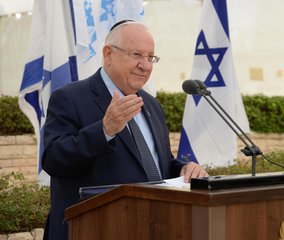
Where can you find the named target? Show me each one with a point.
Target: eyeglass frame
(136, 55)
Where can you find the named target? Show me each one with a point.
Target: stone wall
(35, 234)
(19, 153)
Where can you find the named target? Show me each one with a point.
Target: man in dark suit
(87, 137)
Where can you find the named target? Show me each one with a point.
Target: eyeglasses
(137, 55)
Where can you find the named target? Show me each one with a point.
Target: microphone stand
(252, 150)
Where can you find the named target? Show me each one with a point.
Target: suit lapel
(102, 98)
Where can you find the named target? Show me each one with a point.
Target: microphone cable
(268, 160)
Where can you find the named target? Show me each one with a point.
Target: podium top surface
(177, 195)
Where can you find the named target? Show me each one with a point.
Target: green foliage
(265, 114)
(12, 120)
(23, 206)
(262, 165)
(173, 105)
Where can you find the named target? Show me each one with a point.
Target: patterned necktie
(145, 154)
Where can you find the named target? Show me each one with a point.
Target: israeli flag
(51, 63)
(66, 44)
(205, 137)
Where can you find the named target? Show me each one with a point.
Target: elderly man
(106, 130)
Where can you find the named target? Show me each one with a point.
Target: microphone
(195, 87)
(191, 87)
(198, 87)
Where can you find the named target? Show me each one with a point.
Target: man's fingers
(120, 111)
(126, 104)
(193, 170)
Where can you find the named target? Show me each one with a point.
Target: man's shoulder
(80, 85)
(77, 84)
(146, 95)
(150, 102)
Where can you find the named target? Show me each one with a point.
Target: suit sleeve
(70, 148)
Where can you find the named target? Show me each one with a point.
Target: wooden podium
(140, 212)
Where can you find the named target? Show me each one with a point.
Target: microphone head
(200, 84)
(190, 87)
(202, 87)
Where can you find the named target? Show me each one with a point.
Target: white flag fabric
(205, 137)
(66, 41)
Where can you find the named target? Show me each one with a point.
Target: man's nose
(145, 63)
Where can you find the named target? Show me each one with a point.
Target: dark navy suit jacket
(76, 153)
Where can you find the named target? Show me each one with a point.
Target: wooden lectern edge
(152, 192)
(173, 194)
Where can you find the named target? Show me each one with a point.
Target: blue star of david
(215, 57)
(108, 8)
(91, 28)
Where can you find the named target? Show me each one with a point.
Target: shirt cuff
(108, 138)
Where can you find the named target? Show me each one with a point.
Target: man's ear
(107, 50)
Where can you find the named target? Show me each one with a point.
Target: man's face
(129, 65)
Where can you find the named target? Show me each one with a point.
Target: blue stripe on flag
(41, 147)
(73, 68)
(185, 152)
(73, 19)
(33, 73)
(221, 10)
(62, 75)
(33, 99)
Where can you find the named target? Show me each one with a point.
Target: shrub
(23, 206)
(265, 114)
(12, 120)
(173, 105)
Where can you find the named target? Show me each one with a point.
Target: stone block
(28, 170)
(9, 170)
(10, 151)
(29, 151)
(176, 136)
(4, 163)
(38, 233)
(20, 236)
(7, 140)
(32, 162)
(3, 237)
(174, 148)
(26, 139)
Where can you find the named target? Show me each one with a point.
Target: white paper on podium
(175, 182)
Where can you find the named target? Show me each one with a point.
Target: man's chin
(138, 85)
